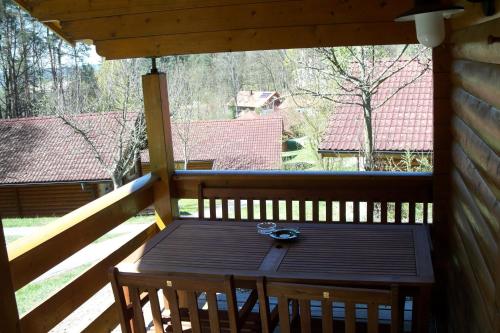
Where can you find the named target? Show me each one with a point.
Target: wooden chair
(304, 294)
(130, 295)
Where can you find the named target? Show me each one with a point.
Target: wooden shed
(463, 189)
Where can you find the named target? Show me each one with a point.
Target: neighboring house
(261, 102)
(253, 144)
(403, 124)
(47, 169)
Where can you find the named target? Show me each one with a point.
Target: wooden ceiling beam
(68, 10)
(253, 16)
(259, 39)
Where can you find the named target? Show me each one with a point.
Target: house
(260, 102)
(47, 169)
(462, 190)
(403, 124)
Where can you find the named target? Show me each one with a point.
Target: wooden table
(333, 254)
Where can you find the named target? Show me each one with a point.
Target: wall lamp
(429, 18)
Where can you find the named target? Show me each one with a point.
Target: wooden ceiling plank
(65, 10)
(473, 14)
(259, 39)
(254, 16)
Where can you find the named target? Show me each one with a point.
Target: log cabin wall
(44, 200)
(474, 270)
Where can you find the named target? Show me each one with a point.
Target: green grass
(109, 236)
(27, 222)
(36, 292)
(140, 219)
(188, 206)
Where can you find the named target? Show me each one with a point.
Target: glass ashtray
(265, 228)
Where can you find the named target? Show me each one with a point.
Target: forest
(43, 75)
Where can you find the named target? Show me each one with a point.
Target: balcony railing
(285, 196)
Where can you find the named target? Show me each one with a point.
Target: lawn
(34, 293)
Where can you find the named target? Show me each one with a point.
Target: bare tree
(116, 145)
(353, 76)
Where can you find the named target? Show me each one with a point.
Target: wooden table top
(324, 253)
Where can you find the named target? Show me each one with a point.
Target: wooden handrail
(57, 307)
(186, 182)
(31, 256)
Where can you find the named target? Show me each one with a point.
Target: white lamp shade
(430, 28)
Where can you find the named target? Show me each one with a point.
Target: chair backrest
(304, 294)
(132, 291)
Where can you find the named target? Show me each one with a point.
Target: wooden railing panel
(356, 203)
(32, 256)
(57, 307)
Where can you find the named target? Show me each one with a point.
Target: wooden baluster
(276, 210)
(201, 202)
(369, 212)
(213, 214)
(289, 210)
(302, 210)
(372, 318)
(155, 310)
(9, 315)
(411, 213)
(426, 213)
(342, 217)
(139, 325)
(383, 212)
(225, 210)
(175, 316)
(350, 317)
(305, 316)
(327, 316)
(194, 315)
(213, 312)
(329, 212)
(355, 211)
(397, 212)
(250, 209)
(263, 209)
(284, 313)
(315, 211)
(237, 209)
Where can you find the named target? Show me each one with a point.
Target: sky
(94, 58)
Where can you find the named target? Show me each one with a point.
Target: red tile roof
(403, 123)
(253, 144)
(44, 149)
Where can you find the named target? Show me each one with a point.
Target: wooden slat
(326, 315)
(213, 312)
(213, 209)
(263, 209)
(57, 307)
(369, 212)
(289, 210)
(139, 324)
(237, 209)
(329, 212)
(34, 255)
(159, 131)
(194, 315)
(315, 211)
(397, 212)
(355, 211)
(225, 210)
(372, 318)
(9, 316)
(175, 316)
(302, 210)
(305, 316)
(284, 314)
(411, 212)
(155, 310)
(201, 202)
(250, 209)
(426, 213)
(342, 210)
(383, 212)
(350, 317)
(276, 210)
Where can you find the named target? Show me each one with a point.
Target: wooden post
(161, 154)
(9, 316)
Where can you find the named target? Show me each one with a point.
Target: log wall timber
(475, 178)
(124, 28)
(44, 200)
